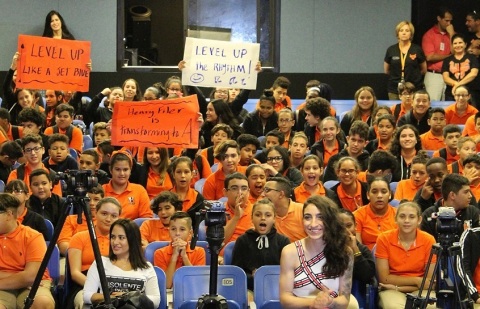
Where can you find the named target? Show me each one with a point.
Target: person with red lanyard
(404, 61)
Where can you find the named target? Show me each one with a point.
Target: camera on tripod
(447, 226)
(77, 182)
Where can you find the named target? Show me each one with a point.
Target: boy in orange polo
(164, 206)
(237, 208)
(451, 134)
(220, 133)
(13, 132)
(178, 253)
(64, 119)
(433, 139)
(23, 250)
(229, 155)
(466, 147)
(476, 136)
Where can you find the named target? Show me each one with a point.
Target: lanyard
(403, 58)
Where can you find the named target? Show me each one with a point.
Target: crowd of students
(268, 166)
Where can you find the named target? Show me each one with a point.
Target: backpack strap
(15, 132)
(397, 110)
(21, 171)
(69, 132)
(443, 153)
(210, 157)
(199, 163)
(455, 167)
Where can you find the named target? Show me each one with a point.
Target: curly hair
(395, 148)
(335, 236)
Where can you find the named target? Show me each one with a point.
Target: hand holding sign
(54, 64)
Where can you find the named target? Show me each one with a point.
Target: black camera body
(215, 213)
(77, 182)
(447, 226)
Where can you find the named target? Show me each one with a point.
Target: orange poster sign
(166, 123)
(53, 64)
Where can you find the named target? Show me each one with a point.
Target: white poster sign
(211, 63)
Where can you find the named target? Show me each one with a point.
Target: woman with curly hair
(316, 271)
(366, 103)
(405, 145)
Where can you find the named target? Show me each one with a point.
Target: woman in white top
(316, 272)
(125, 267)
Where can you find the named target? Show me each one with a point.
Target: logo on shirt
(131, 199)
(413, 56)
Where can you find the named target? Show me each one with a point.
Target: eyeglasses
(345, 171)
(15, 191)
(276, 159)
(266, 189)
(34, 149)
(236, 188)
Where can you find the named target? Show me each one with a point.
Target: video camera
(77, 182)
(447, 226)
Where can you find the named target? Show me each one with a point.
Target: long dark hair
(335, 236)
(395, 148)
(135, 251)
(47, 29)
(284, 154)
(224, 115)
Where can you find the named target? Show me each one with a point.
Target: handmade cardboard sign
(53, 64)
(211, 63)
(166, 123)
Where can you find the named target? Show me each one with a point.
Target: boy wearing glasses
(288, 214)
(33, 151)
(23, 250)
(229, 156)
(237, 208)
(405, 91)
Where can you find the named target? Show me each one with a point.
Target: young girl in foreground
(324, 253)
(261, 245)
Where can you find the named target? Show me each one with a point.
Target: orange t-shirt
(350, 203)
(134, 200)
(450, 159)
(77, 137)
(406, 189)
(431, 142)
(21, 246)
(81, 241)
(57, 189)
(204, 153)
(154, 187)
(475, 191)
(291, 225)
(327, 154)
(206, 171)
(189, 200)
(163, 256)
(213, 188)
(244, 224)
(460, 168)
(10, 134)
(452, 116)
(301, 193)
(154, 230)
(71, 227)
(408, 263)
(476, 276)
(369, 225)
(469, 128)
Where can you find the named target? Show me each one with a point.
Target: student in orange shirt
(406, 242)
(381, 164)
(286, 122)
(248, 145)
(71, 225)
(178, 253)
(133, 197)
(273, 138)
(298, 149)
(376, 217)
(406, 91)
(433, 139)
(63, 125)
(229, 156)
(164, 205)
(466, 147)
(386, 129)
(22, 252)
(312, 169)
(288, 214)
(237, 208)
(451, 134)
(365, 104)
(155, 174)
(351, 192)
(80, 251)
(405, 145)
(471, 170)
(316, 109)
(220, 133)
(407, 188)
(331, 141)
(32, 122)
(190, 199)
(314, 89)
(377, 112)
(461, 110)
(53, 98)
(256, 182)
(476, 136)
(12, 132)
